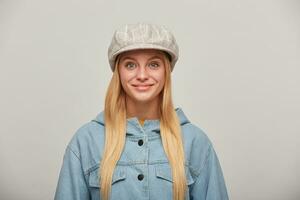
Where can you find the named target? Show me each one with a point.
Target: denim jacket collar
(133, 126)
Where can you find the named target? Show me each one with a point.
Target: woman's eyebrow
(128, 57)
(155, 57)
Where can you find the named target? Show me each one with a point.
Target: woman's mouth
(142, 87)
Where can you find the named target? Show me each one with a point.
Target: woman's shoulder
(197, 144)
(87, 132)
(88, 138)
(195, 134)
(190, 131)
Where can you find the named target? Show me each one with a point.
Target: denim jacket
(143, 171)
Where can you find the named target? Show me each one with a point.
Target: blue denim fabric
(143, 155)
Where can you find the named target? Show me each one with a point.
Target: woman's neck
(142, 110)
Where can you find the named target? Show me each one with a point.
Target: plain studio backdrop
(237, 78)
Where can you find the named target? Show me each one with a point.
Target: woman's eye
(130, 65)
(154, 65)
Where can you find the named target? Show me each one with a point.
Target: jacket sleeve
(71, 183)
(210, 183)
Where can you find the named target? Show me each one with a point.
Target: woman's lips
(142, 87)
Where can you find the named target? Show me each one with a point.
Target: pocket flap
(119, 174)
(165, 172)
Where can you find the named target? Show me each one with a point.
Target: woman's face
(142, 74)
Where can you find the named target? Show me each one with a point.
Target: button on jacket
(143, 171)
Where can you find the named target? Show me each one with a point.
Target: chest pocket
(164, 172)
(119, 174)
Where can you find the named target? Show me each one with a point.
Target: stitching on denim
(136, 138)
(89, 170)
(120, 163)
(97, 122)
(137, 162)
(193, 171)
(198, 172)
(74, 152)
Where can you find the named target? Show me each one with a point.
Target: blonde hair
(115, 134)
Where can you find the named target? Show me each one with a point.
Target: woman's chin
(142, 99)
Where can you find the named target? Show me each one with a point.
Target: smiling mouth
(142, 87)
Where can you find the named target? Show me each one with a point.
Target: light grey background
(237, 78)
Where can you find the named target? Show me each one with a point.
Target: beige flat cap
(142, 36)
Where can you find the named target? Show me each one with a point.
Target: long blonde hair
(115, 134)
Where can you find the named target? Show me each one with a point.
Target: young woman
(140, 146)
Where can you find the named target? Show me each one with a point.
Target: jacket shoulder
(86, 133)
(88, 143)
(195, 133)
(197, 146)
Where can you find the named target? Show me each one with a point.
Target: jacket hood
(133, 124)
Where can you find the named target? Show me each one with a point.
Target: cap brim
(142, 46)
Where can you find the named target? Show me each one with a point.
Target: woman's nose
(142, 73)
